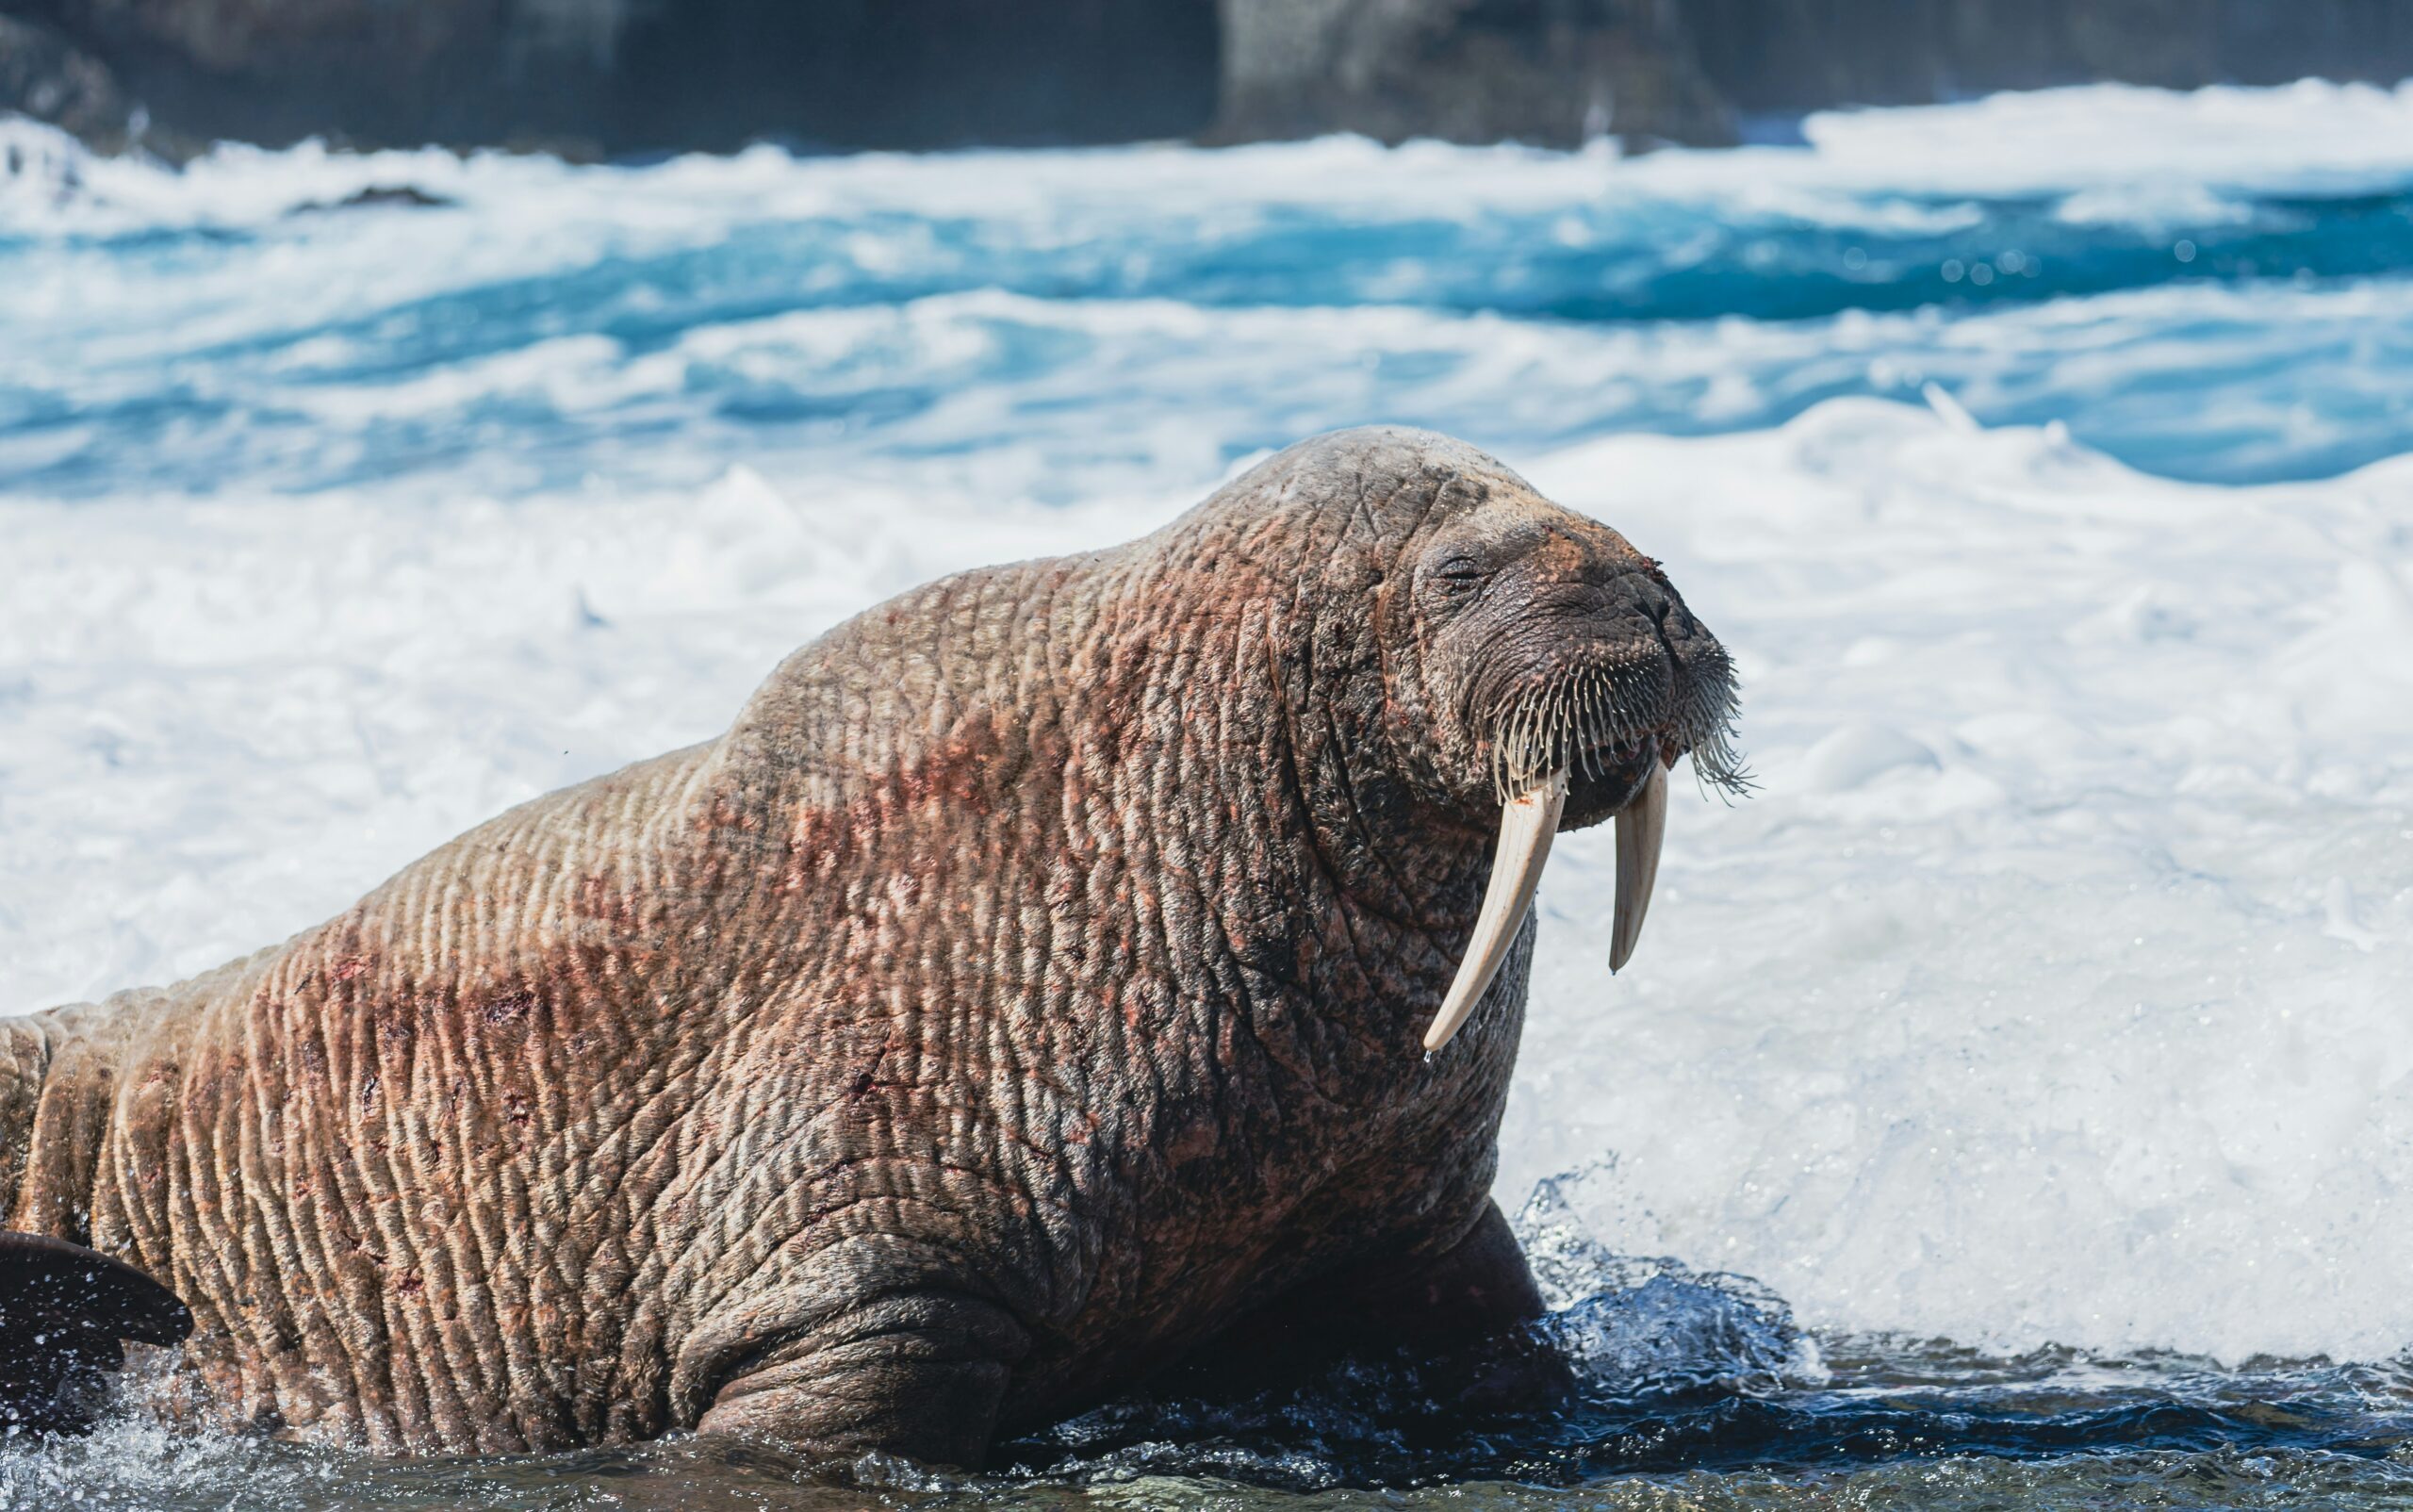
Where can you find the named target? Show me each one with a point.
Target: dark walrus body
(1026, 987)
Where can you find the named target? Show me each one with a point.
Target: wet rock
(44, 76)
(1789, 55)
(592, 77)
(380, 196)
(1549, 72)
(1554, 72)
(588, 79)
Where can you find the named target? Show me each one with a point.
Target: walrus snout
(1604, 679)
(1586, 678)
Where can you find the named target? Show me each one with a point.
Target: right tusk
(1640, 829)
(1528, 823)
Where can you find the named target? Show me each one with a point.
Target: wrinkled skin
(1025, 989)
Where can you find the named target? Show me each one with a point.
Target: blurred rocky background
(614, 77)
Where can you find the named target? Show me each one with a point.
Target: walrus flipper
(66, 1313)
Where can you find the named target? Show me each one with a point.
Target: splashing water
(1671, 1388)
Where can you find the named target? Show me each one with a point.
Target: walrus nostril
(1646, 594)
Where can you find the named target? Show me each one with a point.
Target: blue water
(1653, 1386)
(548, 326)
(1679, 1390)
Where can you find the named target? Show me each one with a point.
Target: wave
(2314, 135)
(2207, 285)
(482, 391)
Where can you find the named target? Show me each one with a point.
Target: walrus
(1052, 969)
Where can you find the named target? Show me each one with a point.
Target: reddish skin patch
(598, 896)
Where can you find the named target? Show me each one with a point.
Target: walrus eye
(1460, 574)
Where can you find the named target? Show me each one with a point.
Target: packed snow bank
(2053, 987)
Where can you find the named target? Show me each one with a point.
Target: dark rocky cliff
(44, 75)
(631, 75)
(1553, 71)
(1788, 56)
(628, 75)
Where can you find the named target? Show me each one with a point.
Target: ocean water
(2011, 1104)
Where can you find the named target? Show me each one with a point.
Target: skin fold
(1023, 990)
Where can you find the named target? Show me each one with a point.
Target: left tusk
(1640, 829)
(1528, 823)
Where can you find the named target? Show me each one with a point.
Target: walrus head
(1560, 677)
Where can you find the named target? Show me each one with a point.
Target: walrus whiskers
(1565, 724)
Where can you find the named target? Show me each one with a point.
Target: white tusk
(1528, 823)
(1640, 829)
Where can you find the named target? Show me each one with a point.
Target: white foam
(1139, 390)
(2311, 132)
(2309, 135)
(2053, 987)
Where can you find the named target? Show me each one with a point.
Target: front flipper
(66, 1313)
(921, 1375)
